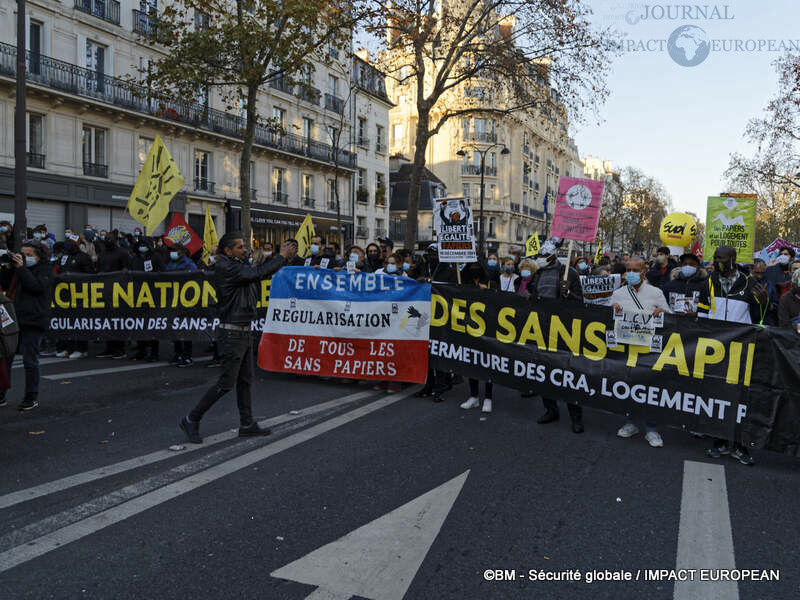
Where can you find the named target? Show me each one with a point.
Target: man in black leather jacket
(236, 309)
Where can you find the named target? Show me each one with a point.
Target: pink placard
(577, 209)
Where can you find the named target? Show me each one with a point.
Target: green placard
(730, 221)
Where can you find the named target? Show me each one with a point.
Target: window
(362, 178)
(201, 96)
(397, 134)
(465, 190)
(308, 190)
(493, 160)
(95, 65)
(333, 85)
(94, 151)
(524, 198)
(307, 75)
(379, 143)
(332, 200)
(202, 171)
(279, 121)
(380, 189)
(35, 139)
(405, 71)
(143, 149)
(279, 194)
(35, 46)
(380, 227)
(465, 128)
(200, 20)
(333, 135)
(480, 129)
(362, 132)
(492, 189)
(308, 130)
(478, 190)
(491, 227)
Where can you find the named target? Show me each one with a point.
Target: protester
(387, 247)
(548, 283)
(638, 295)
(73, 260)
(474, 275)
(757, 273)
(113, 258)
(7, 235)
(236, 305)
(507, 277)
(581, 264)
(493, 271)
(179, 261)
(148, 260)
(523, 283)
(40, 234)
(731, 296)
(663, 264)
(685, 286)
(789, 305)
(29, 284)
(779, 272)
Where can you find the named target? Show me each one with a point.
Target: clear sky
(680, 124)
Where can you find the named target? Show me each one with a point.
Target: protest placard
(730, 221)
(597, 289)
(577, 209)
(452, 220)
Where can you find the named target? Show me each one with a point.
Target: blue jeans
(29, 341)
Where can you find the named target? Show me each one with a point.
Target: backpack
(9, 327)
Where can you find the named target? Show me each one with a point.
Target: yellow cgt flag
(210, 239)
(303, 237)
(599, 254)
(157, 183)
(532, 245)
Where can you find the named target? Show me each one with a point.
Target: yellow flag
(532, 245)
(157, 183)
(303, 237)
(599, 254)
(210, 239)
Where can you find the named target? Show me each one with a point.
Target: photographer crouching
(27, 279)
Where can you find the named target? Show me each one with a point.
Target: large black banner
(135, 305)
(713, 377)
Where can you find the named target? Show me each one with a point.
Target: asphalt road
(363, 494)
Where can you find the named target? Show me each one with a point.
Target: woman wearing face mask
(582, 266)
(392, 266)
(179, 261)
(374, 257)
(113, 258)
(148, 260)
(506, 280)
(355, 254)
(493, 271)
(29, 284)
(73, 260)
(474, 275)
(523, 283)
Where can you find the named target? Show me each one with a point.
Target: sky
(680, 124)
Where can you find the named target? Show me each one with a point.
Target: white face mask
(782, 259)
(542, 262)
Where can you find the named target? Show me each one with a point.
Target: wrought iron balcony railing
(95, 169)
(108, 10)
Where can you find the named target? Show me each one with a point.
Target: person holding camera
(28, 282)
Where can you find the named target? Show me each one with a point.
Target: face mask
(102, 237)
(88, 234)
(583, 266)
(37, 235)
(542, 262)
(525, 273)
(688, 271)
(353, 257)
(661, 259)
(143, 249)
(250, 260)
(267, 254)
(782, 260)
(390, 268)
(508, 269)
(339, 257)
(314, 249)
(211, 260)
(633, 277)
(173, 255)
(492, 262)
(67, 234)
(406, 267)
(3, 228)
(30, 261)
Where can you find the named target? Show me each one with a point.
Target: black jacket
(236, 294)
(655, 277)
(75, 261)
(33, 291)
(138, 262)
(113, 259)
(678, 286)
(573, 281)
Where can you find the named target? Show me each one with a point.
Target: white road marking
(323, 594)
(379, 560)
(705, 540)
(136, 367)
(76, 531)
(64, 483)
(17, 364)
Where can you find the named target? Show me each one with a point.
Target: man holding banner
(236, 307)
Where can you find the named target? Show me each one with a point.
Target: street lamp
(462, 152)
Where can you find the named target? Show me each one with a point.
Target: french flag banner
(352, 325)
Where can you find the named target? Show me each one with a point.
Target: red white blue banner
(351, 325)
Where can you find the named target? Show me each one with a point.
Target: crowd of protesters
(721, 289)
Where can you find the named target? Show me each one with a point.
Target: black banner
(136, 305)
(714, 377)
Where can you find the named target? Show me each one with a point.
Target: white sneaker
(654, 439)
(77, 354)
(62, 354)
(472, 402)
(487, 405)
(628, 430)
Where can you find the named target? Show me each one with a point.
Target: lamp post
(462, 152)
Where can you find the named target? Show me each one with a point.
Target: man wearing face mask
(780, 272)
(757, 273)
(148, 260)
(685, 286)
(659, 275)
(179, 261)
(29, 284)
(548, 283)
(113, 258)
(731, 296)
(73, 260)
(86, 243)
(638, 295)
(40, 234)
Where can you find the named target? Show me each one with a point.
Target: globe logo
(688, 45)
(632, 17)
(578, 197)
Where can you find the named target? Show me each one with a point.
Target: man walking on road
(236, 306)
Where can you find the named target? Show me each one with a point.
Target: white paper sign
(148, 265)
(5, 318)
(453, 222)
(636, 328)
(597, 289)
(323, 263)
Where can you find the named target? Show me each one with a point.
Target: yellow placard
(599, 254)
(532, 245)
(303, 237)
(210, 239)
(157, 183)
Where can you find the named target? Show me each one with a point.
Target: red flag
(179, 232)
(697, 250)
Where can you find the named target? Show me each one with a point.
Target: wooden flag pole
(458, 272)
(569, 257)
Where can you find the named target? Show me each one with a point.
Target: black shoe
(424, 392)
(577, 427)
(214, 363)
(438, 398)
(718, 450)
(192, 430)
(253, 430)
(741, 454)
(184, 362)
(119, 356)
(28, 404)
(548, 417)
(105, 355)
(175, 360)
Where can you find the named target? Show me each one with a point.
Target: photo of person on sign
(453, 215)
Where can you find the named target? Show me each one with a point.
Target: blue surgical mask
(406, 267)
(492, 262)
(525, 273)
(143, 249)
(688, 271)
(37, 235)
(633, 277)
(354, 257)
(30, 261)
(583, 266)
(391, 268)
(314, 249)
(250, 260)
(102, 237)
(173, 255)
(3, 228)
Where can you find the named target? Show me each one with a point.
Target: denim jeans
(236, 350)
(29, 341)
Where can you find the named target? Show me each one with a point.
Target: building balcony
(309, 94)
(202, 184)
(35, 160)
(362, 232)
(145, 24)
(334, 103)
(279, 83)
(308, 202)
(379, 233)
(380, 147)
(515, 207)
(280, 198)
(362, 195)
(108, 10)
(332, 205)
(363, 142)
(481, 136)
(95, 170)
(476, 170)
(69, 79)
